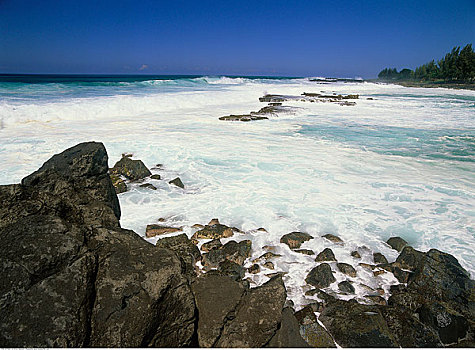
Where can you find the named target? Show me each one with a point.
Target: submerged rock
(155, 177)
(131, 169)
(355, 254)
(295, 239)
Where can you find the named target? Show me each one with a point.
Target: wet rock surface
(295, 239)
(130, 168)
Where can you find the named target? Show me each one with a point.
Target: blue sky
(290, 38)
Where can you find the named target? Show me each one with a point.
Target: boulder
(177, 182)
(257, 318)
(288, 334)
(346, 287)
(71, 277)
(217, 298)
(441, 292)
(231, 269)
(326, 255)
(131, 169)
(155, 177)
(295, 239)
(311, 331)
(232, 251)
(304, 251)
(347, 269)
(149, 186)
(397, 243)
(153, 230)
(355, 254)
(356, 325)
(379, 258)
(266, 256)
(320, 276)
(213, 244)
(333, 238)
(214, 231)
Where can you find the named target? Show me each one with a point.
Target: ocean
(401, 162)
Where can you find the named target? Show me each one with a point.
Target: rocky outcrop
(72, 277)
(130, 168)
(295, 239)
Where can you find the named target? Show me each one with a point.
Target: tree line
(457, 66)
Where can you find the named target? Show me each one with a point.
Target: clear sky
(259, 37)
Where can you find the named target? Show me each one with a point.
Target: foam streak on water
(401, 164)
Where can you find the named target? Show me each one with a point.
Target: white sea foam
(354, 171)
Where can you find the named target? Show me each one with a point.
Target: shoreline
(428, 84)
(130, 293)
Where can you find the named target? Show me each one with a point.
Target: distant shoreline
(428, 84)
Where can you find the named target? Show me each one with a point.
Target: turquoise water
(400, 163)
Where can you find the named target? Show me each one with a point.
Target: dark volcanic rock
(257, 318)
(441, 292)
(72, 277)
(333, 238)
(232, 251)
(304, 251)
(311, 331)
(131, 169)
(187, 252)
(177, 182)
(409, 258)
(155, 177)
(214, 231)
(215, 243)
(153, 230)
(288, 335)
(355, 254)
(326, 255)
(231, 269)
(347, 269)
(379, 258)
(217, 298)
(295, 239)
(397, 243)
(149, 186)
(355, 325)
(346, 287)
(119, 184)
(320, 276)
